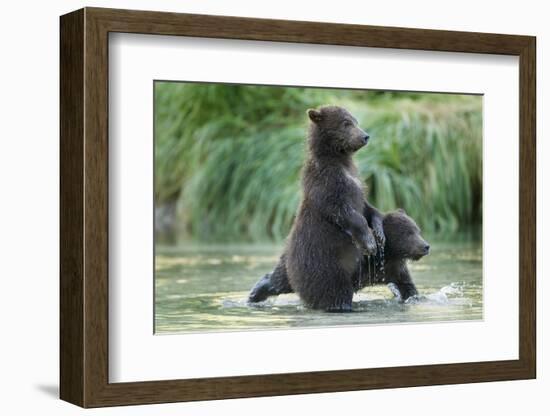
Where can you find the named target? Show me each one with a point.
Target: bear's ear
(314, 115)
(401, 211)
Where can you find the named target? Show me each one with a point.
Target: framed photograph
(254, 207)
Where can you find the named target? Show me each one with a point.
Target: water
(204, 288)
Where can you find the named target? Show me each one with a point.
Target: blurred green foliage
(229, 156)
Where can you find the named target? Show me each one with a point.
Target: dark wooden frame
(84, 208)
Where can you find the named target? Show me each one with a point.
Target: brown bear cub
(331, 233)
(403, 242)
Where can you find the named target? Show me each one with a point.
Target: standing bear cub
(403, 242)
(331, 234)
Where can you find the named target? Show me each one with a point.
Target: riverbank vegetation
(228, 157)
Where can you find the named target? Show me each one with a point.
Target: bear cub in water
(331, 232)
(403, 242)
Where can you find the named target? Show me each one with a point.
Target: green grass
(229, 157)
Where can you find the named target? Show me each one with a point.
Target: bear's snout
(426, 248)
(366, 138)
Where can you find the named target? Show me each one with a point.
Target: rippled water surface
(204, 288)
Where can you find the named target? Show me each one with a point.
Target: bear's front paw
(368, 243)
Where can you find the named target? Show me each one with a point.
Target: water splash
(376, 297)
(395, 290)
(451, 294)
(239, 301)
(194, 293)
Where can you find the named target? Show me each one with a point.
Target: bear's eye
(347, 123)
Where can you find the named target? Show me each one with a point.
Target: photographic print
(290, 207)
(327, 184)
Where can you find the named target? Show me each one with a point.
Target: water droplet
(380, 267)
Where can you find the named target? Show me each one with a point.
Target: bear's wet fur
(403, 242)
(330, 233)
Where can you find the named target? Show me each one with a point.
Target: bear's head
(403, 239)
(335, 130)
